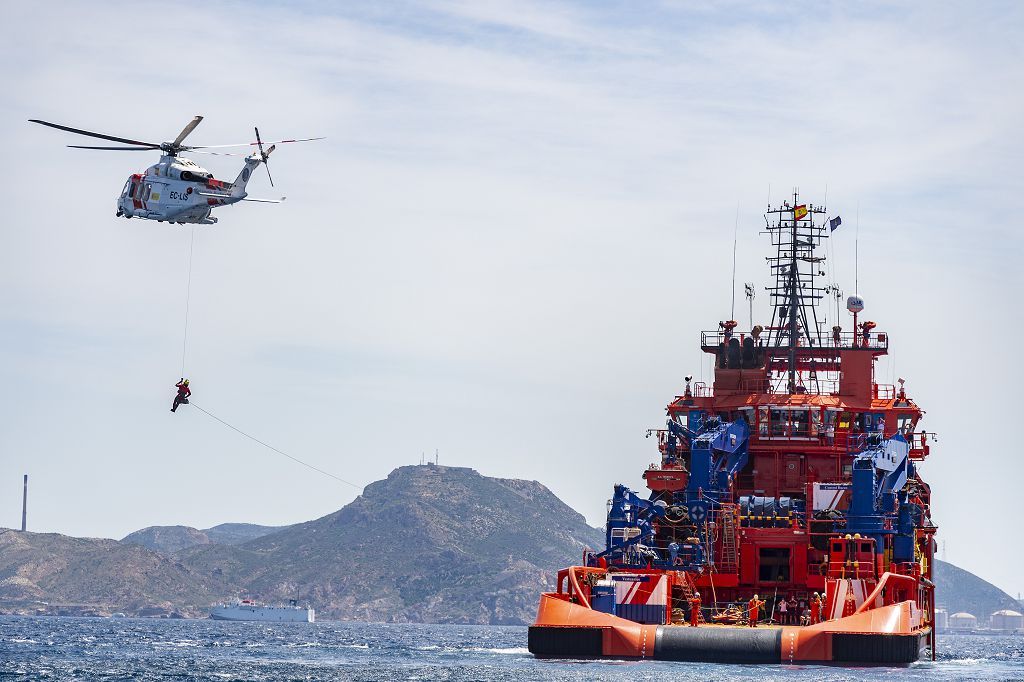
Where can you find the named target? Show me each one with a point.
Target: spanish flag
(799, 212)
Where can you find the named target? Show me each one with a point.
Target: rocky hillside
(51, 573)
(958, 590)
(170, 539)
(429, 543)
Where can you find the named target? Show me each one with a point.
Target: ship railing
(892, 588)
(712, 339)
(856, 442)
(698, 389)
(920, 440)
(818, 569)
(884, 392)
(778, 384)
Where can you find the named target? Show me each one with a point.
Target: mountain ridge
(170, 539)
(428, 543)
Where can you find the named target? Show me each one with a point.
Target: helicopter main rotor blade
(115, 149)
(193, 150)
(253, 144)
(186, 130)
(78, 131)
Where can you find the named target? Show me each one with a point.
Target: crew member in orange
(694, 609)
(815, 608)
(754, 610)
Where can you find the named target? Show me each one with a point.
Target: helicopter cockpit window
(127, 188)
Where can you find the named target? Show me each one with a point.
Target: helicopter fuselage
(177, 190)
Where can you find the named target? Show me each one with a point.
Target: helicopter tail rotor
(265, 154)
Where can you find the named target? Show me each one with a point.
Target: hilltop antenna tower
(795, 235)
(24, 505)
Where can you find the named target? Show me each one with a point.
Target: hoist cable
(271, 447)
(188, 298)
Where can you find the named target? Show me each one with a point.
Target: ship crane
(647, 531)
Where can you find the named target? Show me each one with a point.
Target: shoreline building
(1007, 621)
(963, 622)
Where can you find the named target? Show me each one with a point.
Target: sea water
(57, 648)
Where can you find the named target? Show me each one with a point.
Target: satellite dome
(855, 304)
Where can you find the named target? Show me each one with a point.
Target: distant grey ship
(246, 609)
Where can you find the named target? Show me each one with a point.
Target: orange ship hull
(889, 635)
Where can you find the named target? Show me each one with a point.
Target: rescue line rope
(188, 298)
(271, 447)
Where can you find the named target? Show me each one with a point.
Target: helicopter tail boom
(252, 162)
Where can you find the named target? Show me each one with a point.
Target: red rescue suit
(695, 610)
(816, 610)
(754, 609)
(183, 393)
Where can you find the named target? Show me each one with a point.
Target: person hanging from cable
(183, 393)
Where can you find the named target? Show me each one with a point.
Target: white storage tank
(941, 620)
(1007, 620)
(962, 621)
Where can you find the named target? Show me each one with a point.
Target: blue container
(602, 598)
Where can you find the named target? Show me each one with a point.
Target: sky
(505, 250)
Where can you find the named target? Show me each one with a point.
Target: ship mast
(794, 295)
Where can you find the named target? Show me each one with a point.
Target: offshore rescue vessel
(794, 477)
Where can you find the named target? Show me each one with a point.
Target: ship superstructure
(247, 609)
(794, 474)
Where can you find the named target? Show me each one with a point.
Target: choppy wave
(143, 649)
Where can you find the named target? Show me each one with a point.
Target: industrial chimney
(24, 505)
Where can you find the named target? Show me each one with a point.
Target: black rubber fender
(718, 645)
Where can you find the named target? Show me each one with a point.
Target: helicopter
(176, 189)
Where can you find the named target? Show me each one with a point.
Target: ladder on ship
(686, 589)
(729, 562)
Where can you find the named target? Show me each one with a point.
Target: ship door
(792, 474)
(134, 190)
(773, 565)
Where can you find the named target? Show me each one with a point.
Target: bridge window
(778, 423)
(789, 422)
